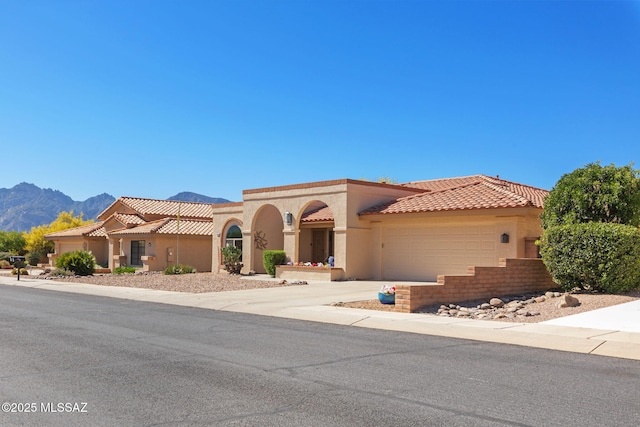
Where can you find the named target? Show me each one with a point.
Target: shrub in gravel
(35, 257)
(61, 272)
(593, 256)
(82, 263)
(232, 259)
(272, 258)
(23, 271)
(124, 269)
(179, 269)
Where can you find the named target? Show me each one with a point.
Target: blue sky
(151, 98)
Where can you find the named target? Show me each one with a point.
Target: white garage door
(422, 254)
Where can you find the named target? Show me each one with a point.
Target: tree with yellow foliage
(36, 243)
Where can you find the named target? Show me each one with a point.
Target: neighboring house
(413, 231)
(92, 237)
(145, 233)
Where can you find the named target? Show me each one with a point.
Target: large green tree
(590, 234)
(594, 193)
(12, 241)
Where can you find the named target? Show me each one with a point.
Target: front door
(319, 240)
(137, 251)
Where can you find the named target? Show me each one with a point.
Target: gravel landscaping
(541, 307)
(192, 283)
(525, 308)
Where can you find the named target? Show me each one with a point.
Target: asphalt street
(71, 359)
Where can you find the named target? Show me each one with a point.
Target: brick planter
(512, 277)
(295, 272)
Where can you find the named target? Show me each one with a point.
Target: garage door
(423, 253)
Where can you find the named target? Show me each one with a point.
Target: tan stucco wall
(194, 251)
(97, 246)
(345, 198)
(224, 216)
(517, 223)
(69, 246)
(100, 250)
(269, 223)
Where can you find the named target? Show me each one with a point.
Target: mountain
(187, 196)
(26, 205)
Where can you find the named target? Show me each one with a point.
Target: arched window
(234, 237)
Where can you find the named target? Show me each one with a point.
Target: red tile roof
(128, 220)
(321, 214)
(464, 193)
(91, 230)
(183, 227)
(169, 208)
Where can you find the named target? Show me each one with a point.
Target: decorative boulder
(567, 301)
(496, 302)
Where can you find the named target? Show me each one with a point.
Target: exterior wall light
(504, 238)
(288, 218)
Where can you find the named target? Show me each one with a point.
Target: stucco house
(145, 233)
(413, 231)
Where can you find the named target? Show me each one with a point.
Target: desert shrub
(179, 269)
(33, 258)
(22, 271)
(124, 269)
(81, 263)
(4, 256)
(4, 263)
(272, 258)
(593, 256)
(232, 259)
(60, 272)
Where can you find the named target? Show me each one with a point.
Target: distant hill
(187, 196)
(27, 205)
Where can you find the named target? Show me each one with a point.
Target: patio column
(291, 241)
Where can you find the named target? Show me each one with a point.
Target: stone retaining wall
(511, 277)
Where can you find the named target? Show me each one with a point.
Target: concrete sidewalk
(614, 331)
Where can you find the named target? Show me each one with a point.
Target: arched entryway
(316, 237)
(266, 234)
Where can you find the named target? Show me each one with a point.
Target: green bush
(179, 269)
(272, 258)
(82, 263)
(594, 193)
(4, 256)
(232, 259)
(594, 256)
(4, 263)
(34, 258)
(61, 272)
(124, 269)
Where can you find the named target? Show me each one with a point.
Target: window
(234, 237)
(137, 251)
